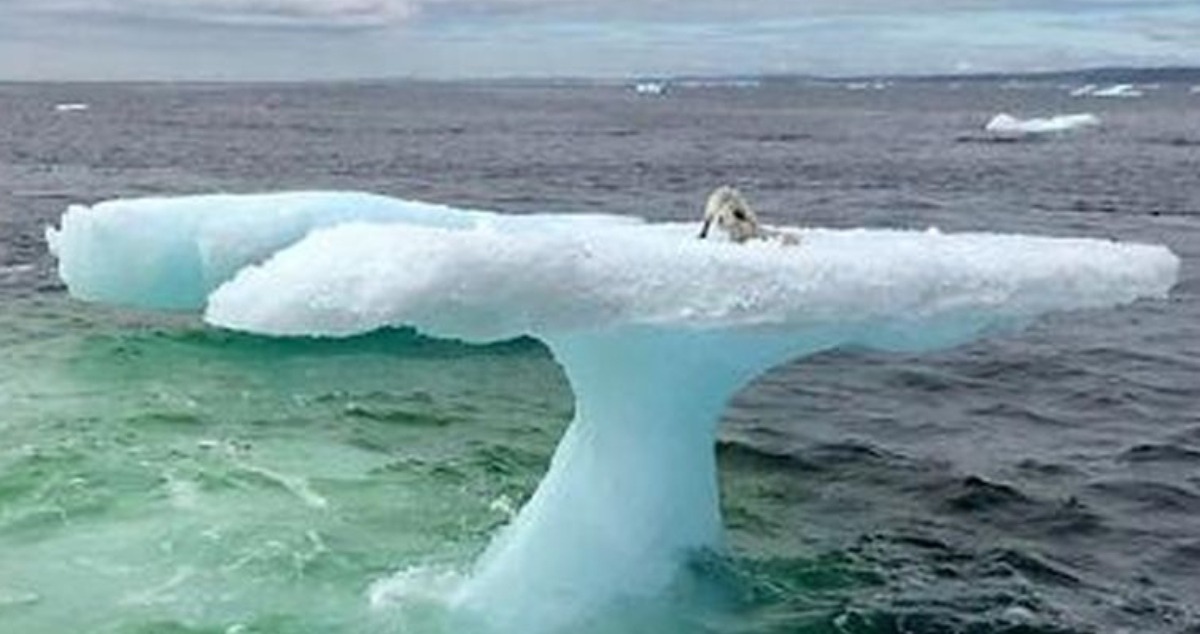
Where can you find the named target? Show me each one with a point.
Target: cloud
(382, 13)
(299, 39)
(351, 14)
(238, 13)
(357, 14)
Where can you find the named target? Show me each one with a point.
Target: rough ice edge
(171, 252)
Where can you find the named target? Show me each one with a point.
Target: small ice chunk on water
(1119, 91)
(1007, 126)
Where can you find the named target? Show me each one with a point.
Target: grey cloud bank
(315, 39)
(233, 13)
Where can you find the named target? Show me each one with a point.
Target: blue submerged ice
(655, 330)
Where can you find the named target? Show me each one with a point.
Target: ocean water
(158, 475)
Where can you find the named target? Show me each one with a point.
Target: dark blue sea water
(157, 475)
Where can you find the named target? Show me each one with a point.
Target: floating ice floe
(652, 88)
(655, 330)
(71, 107)
(1006, 126)
(867, 85)
(1120, 91)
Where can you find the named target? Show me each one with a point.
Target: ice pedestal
(631, 491)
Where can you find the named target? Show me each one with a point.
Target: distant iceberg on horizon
(1122, 91)
(651, 87)
(1119, 91)
(654, 329)
(1007, 126)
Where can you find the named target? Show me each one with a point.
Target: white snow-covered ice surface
(655, 329)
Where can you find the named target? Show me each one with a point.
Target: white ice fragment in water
(1005, 125)
(503, 505)
(71, 107)
(655, 88)
(1120, 91)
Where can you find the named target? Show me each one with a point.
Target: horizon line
(1106, 70)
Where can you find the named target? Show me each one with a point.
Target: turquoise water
(160, 475)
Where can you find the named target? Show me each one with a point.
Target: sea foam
(654, 329)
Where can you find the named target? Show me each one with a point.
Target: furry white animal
(733, 215)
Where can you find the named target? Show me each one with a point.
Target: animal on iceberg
(655, 331)
(729, 210)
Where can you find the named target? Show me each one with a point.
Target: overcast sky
(301, 39)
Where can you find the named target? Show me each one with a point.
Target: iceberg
(1006, 126)
(1084, 91)
(654, 88)
(655, 331)
(1121, 91)
(866, 85)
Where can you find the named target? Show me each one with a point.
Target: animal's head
(731, 213)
